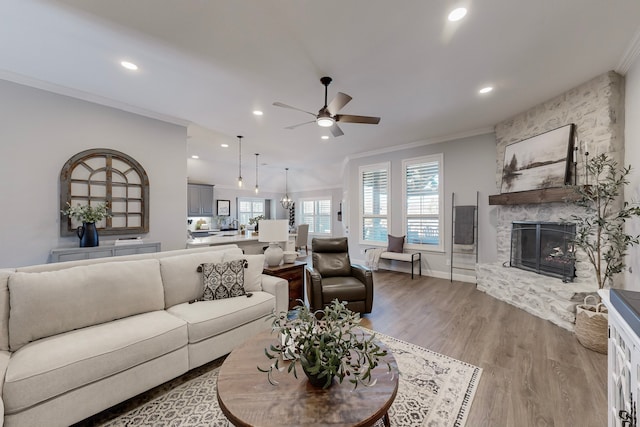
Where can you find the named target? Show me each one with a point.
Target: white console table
(104, 250)
(624, 368)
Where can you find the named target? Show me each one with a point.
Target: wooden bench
(411, 257)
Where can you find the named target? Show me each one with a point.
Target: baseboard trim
(425, 272)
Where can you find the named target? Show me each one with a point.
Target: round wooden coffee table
(248, 399)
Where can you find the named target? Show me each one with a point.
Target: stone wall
(597, 109)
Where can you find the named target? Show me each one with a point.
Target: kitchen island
(248, 243)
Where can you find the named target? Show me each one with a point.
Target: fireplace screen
(544, 247)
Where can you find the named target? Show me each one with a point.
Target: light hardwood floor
(534, 372)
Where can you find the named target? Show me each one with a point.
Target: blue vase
(88, 234)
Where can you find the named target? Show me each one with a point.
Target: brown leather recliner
(334, 277)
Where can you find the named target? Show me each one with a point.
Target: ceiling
(209, 64)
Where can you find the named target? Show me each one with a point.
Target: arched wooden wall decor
(103, 175)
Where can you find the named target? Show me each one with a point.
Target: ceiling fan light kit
(325, 122)
(328, 116)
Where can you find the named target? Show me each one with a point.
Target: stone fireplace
(596, 107)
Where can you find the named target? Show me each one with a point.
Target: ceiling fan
(328, 115)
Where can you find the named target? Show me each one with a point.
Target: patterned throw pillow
(223, 280)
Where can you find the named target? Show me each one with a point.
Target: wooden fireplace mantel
(545, 195)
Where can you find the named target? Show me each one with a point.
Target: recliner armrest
(314, 288)
(361, 272)
(365, 275)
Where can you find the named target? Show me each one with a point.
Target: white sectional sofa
(81, 336)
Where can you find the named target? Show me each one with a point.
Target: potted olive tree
(326, 344)
(601, 235)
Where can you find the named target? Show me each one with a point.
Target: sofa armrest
(279, 288)
(4, 363)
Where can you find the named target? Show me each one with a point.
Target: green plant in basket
(327, 344)
(600, 229)
(88, 213)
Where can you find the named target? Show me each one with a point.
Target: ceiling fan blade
(348, 118)
(299, 124)
(336, 131)
(337, 103)
(280, 104)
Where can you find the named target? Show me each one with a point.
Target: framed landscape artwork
(223, 207)
(542, 161)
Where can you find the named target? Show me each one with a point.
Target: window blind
(375, 197)
(422, 198)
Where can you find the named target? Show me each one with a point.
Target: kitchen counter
(247, 242)
(222, 238)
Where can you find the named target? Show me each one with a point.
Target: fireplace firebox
(543, 247)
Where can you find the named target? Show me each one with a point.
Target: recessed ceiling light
(486, 89)
(224, 145)
(324, 137)
(129, 65)
(257, 113)
(457, 14)
(195, 157)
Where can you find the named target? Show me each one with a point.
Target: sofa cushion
(253, 270)
(206, 319)
(50, 303)
(180, 277)
(51, 366)
(4, 309)
(223, 280)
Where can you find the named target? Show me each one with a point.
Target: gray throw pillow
(223, 280)
(396, 244)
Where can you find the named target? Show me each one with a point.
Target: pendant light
(257, 154)
(286, 201)
(240, 161)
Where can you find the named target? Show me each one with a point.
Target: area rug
(434, 391)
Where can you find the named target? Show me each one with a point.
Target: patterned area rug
(434, 391)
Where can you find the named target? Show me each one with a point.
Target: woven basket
(591, 325)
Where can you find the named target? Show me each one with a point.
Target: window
(249, 208)
(374, 197)
(422, 188)
(317, 213)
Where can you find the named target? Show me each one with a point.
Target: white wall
(632, 157)
(40, 131)
(469, 165)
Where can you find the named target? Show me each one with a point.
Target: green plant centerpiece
(600, 228)
(255, 220)
(327, 344)
(87, 213)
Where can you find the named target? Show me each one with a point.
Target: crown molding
(631, 54)
(88, 97)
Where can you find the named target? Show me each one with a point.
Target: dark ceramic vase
(316, 381)
(88, 234)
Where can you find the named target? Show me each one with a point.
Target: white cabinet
(199, 200)
(624, 369)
